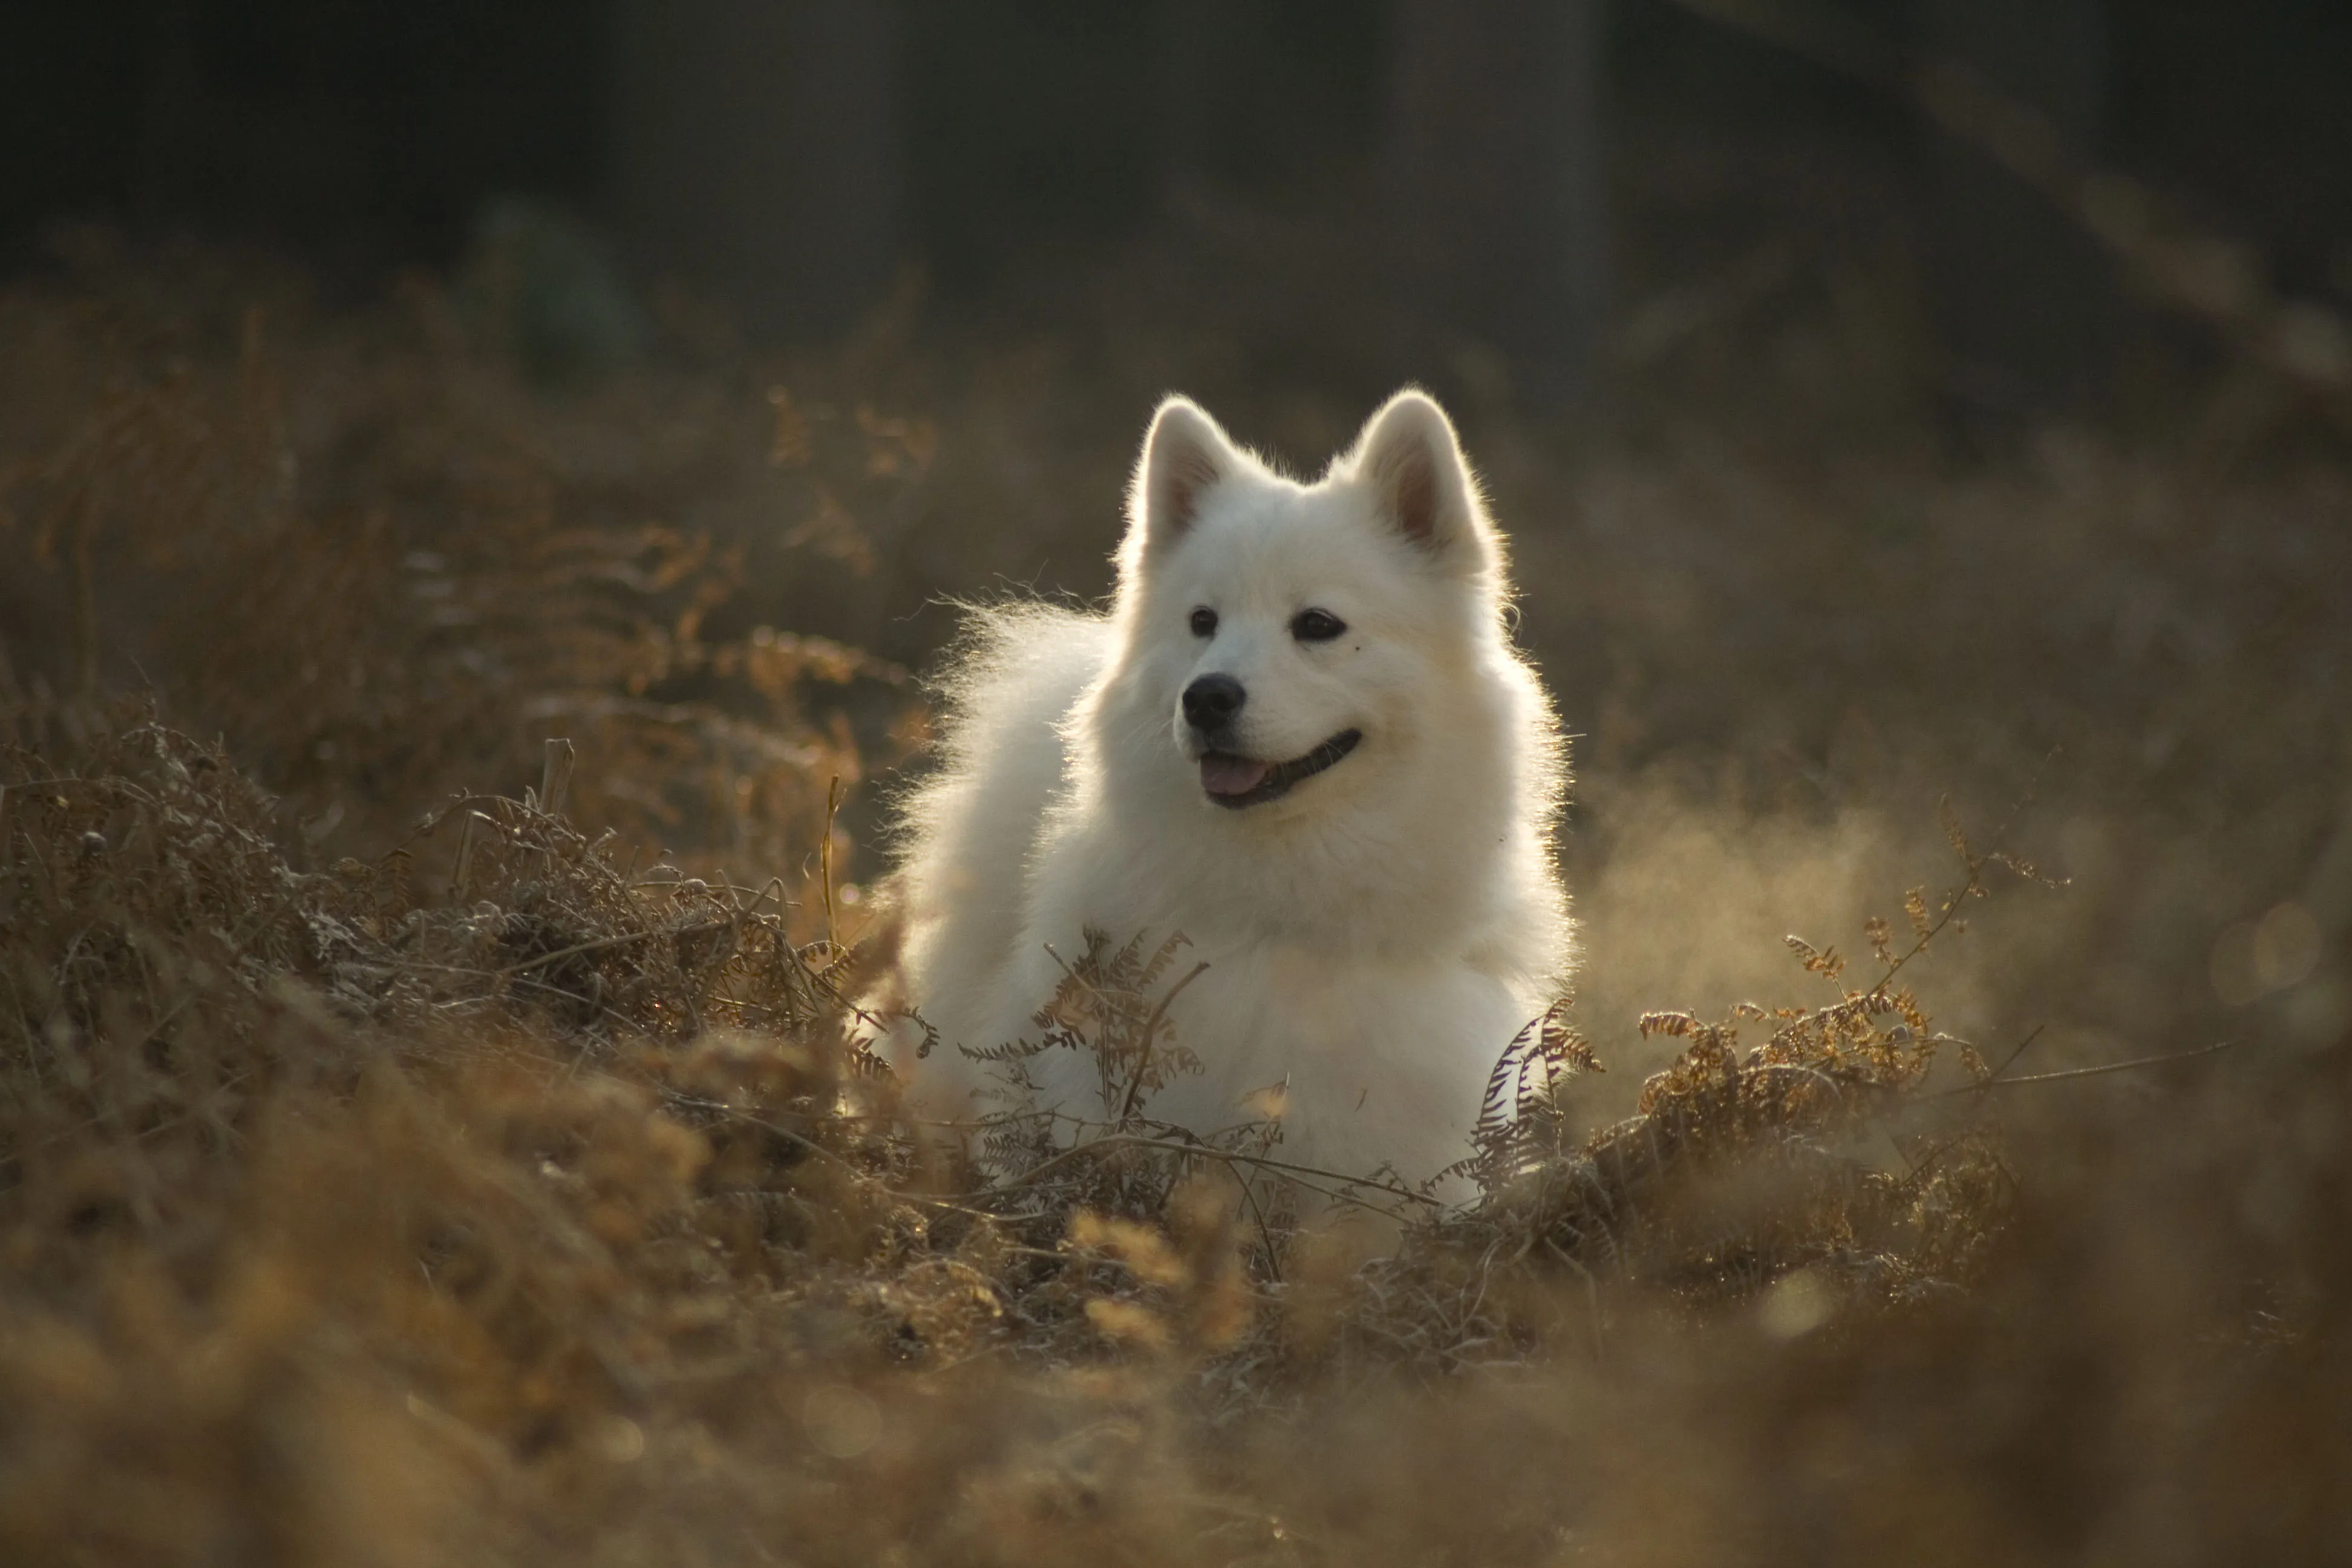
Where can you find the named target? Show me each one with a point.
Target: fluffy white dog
(1301, 739)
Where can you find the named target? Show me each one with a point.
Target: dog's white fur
(1375, 936)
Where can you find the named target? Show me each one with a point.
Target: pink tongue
(1224, 775)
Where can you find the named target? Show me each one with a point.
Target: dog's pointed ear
(1410, 460)
(1185, 455)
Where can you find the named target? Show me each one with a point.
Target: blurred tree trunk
(2025, 301)
(1498, 226)
(757, 148)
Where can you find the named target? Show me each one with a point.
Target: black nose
(1212, 701)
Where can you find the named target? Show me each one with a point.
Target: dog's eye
(1316, 626)
(1204, 622)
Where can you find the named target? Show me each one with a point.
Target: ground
(423, 1144)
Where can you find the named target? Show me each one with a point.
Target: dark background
(795, 157)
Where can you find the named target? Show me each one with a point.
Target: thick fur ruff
(1380, 915)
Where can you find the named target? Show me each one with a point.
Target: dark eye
(1204, 622)
(1316, 626)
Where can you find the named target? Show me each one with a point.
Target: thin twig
(1976, 865)
(1134, 1141)
(2010, 1061)
(2105, 1068)
(1151, 1028)
(825, 850)
(601, 944)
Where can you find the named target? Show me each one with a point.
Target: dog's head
(1286, 628)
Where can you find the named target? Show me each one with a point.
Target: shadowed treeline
(1431, 178)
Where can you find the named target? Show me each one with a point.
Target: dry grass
(499, 1188)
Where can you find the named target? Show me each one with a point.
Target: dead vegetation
(494, 1186)
(496, 1183)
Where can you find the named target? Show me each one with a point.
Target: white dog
(1301, 739)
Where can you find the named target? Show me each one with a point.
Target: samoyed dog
(1301, 739)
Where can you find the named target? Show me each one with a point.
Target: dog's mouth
(1236, 781)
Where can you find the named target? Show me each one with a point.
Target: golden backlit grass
(403, 1160)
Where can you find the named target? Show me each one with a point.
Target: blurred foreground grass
(421, 1144)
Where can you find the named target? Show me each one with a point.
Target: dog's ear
(1410, 460)
(1185, 455)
